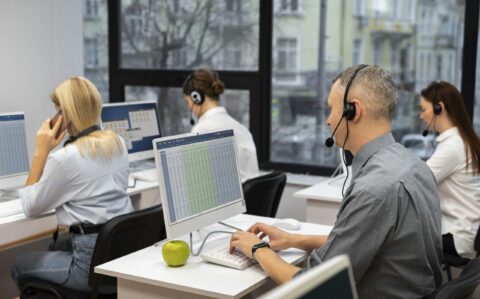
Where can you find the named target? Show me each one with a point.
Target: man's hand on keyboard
(243, 241)
(278, 239)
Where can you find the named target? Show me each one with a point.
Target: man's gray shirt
(388, 224)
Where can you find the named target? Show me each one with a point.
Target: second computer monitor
(198, 180)
(13, 145)
(331, 279)
(137, 123)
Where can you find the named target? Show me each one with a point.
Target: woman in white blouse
(202, 90)
(455, 164)
(85, 182)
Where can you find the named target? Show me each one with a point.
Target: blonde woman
(85, 182)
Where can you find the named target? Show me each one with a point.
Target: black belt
(84, 229)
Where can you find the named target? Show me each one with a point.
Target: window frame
(259, 82)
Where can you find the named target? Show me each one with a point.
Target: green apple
(175, 253)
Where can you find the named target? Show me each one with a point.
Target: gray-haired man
(389, 219)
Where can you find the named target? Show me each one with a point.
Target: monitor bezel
(140, 155)
(180, 228)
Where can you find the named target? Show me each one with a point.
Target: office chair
(262, 194)
(450, 260)
(463, 286)
(118, 237)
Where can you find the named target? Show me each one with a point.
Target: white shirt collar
(448, 133)
(216, 110)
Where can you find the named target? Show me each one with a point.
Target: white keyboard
(221, 256)
(149, 175)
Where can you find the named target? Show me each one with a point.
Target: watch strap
(258, 246)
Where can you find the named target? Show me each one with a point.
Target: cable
(205, 239)
(231, 226)
(345, 160)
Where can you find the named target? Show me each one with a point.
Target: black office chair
(450, 260)
(262, 194)
(463, 286)
(118, 237)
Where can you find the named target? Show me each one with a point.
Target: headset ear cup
(349, 111)
(196, 97)
(437, 109)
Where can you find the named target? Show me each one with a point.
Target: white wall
(41, 44)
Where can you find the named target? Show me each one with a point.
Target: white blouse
(80, 189)
(458, 189)
(217, 119)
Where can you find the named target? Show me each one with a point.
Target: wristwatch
(257, 246)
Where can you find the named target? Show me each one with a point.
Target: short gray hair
(378, 87)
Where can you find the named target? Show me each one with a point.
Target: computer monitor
(332, 279)
(13, 146)
(198, 180)
(137, 123)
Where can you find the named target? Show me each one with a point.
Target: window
(91, 53)
(359, 8)
(298, 128)
(357, 51)
(195, 35)
(378, 52)
(95, 45)
(286, 60)
(288, 6)
(270, 53)
(91, 8)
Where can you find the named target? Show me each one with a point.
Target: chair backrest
(476, 243)
(122, 235)
(262, 194)
(462, 286)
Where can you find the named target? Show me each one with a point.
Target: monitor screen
(198, 180)
(332, 279)
(13, 144)
(137, 123)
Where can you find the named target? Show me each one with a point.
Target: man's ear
(358, 110)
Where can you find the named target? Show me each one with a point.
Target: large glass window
(190, 34)
(95, 45)
(417, 41)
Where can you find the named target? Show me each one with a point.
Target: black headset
(437, 108)
(349, 109)
(197, 96)
(81, 134)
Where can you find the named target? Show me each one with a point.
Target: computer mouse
(288, 223)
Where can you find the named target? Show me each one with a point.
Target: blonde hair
(81, 104)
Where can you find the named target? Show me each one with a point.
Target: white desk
(144, 274)
(323, 200)
(17, 228)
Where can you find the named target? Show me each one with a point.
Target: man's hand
(279, 239)
(243, 241)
